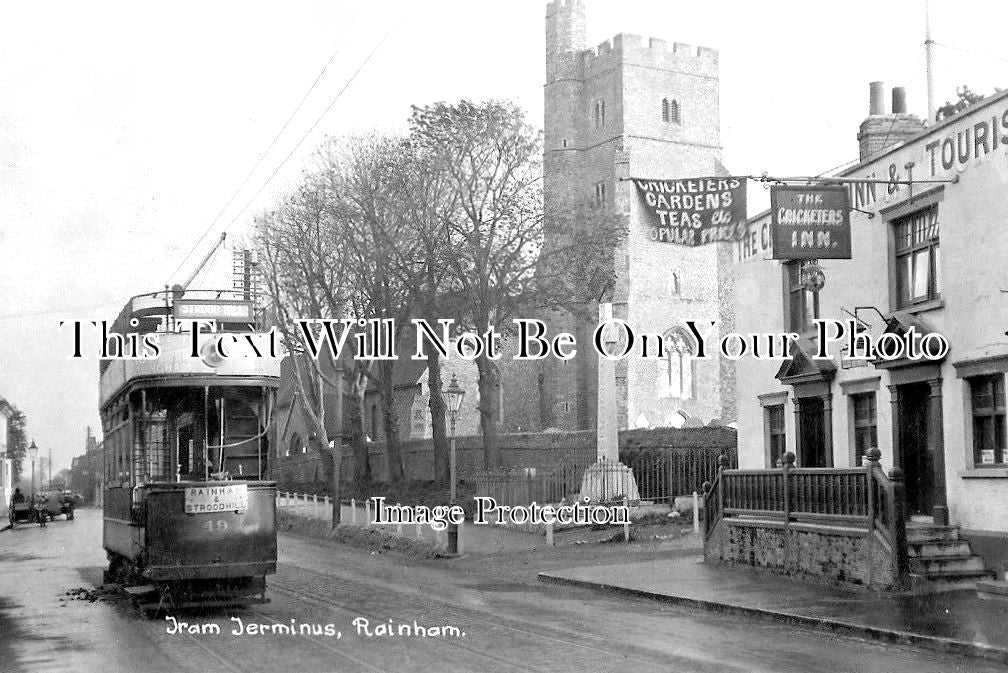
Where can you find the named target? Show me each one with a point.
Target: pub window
(600, 194)
(865, 425)
(773, 418)
(918, 258)
(987, 398)
(599, 114)
(802, 301)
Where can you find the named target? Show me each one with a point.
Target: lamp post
(33, 454)
(453, 396)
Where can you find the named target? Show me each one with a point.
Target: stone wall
(829, 555)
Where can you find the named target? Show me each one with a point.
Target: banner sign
(810, 222)
(694, 211)
(208, 499)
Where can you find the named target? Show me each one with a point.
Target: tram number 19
(218, 526)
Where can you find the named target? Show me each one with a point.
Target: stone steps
(925, 533)
(939, 548)
(940, 558)
(934, 568)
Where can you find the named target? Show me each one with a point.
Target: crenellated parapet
(628, 48)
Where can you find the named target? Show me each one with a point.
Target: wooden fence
(819, 499)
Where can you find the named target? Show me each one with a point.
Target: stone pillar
(936, 446)
(606, 426)
(607, 478)
(827, 402)
(894, 400)
(797, 432)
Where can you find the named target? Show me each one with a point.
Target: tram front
(188, 510)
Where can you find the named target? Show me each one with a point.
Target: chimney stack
(898, 100)
(882, 130)
(876, 98)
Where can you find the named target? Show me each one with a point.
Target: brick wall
(542, 450)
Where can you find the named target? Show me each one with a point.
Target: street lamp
(33, 454)
(453, 396)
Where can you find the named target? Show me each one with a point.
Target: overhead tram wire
(312, 128)
(262, 157)
(58, 311)
(970, 51)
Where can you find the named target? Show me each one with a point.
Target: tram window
(185, 448)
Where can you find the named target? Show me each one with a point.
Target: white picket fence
(354, 514)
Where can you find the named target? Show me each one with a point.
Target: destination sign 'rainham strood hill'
(694, 211)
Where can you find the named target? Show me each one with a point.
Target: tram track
(424, 601)
(328, 603)
(217, 657)
(321, 643)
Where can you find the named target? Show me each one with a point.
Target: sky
(126, 128)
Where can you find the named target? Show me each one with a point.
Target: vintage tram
(189, 517)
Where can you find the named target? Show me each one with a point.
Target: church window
(670, 111)
(674, 284)
(600, 194)
(677, 366)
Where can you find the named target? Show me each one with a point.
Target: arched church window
(670, 112)
(677, 366)
(294, 444)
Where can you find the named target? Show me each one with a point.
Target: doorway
(812, 433)
(915, 452)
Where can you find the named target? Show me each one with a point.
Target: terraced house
(928, 253)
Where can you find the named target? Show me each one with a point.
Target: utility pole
(929, 60)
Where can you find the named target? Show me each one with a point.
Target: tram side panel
(183, 546)
(121, 533)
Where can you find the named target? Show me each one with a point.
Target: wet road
(324, 592)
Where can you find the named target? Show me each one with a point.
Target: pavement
(954, 622)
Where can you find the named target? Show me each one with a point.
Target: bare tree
(429, 201)
(305, 277)
(380, 248)
(490, 158)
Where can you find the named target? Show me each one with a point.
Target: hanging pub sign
(694, 211)
(810, 222)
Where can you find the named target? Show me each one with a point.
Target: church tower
(636, 108)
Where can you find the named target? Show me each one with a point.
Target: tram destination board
(221, 310)
(209, 499)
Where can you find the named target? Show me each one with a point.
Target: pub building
(930, 255)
